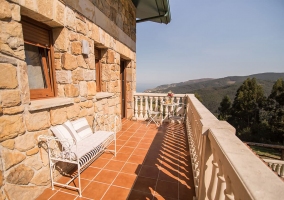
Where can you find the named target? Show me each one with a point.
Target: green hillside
(213, 90)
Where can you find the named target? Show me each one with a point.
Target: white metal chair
(179, 114)
(152, 116)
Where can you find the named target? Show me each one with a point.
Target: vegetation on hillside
(211, 91)
(255, 117)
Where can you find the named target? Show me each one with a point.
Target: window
(38, 53)
(98, 69)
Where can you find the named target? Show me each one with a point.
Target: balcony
(200, 159)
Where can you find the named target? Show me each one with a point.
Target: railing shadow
(168, 154)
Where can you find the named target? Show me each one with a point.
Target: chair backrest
(180, 110)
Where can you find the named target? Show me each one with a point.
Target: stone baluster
(229, 195)
(282, 171)
(146, 107)
(221, 183)
(141, 108)
(156, 103)
(161, 108)
(151, 103)
(214, 180)
(136, 107)
(166, 111)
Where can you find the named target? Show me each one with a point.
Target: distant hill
(213, 90)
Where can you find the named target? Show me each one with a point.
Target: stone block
(24, 80)
(10, 98)
(32, 151)
(77, 75)
(9, 144)
(60, 36)
(1, 181)
(90, 120)
(11, 126)
(46, 8)
(44, 157)
(37, 121)
(73, 36)
(105, 72)
(81, 62)
(71, 90)
(13, 110)
(18, 53)
(63, 76)
(83, 88)
(76, 48)
(87, 104)
(11, 158)
(8, 76)
(70, 18)
(60, 90)
(58, 115)
(83, 112)
(90, 75)
(91, 88)
(34, 162)
(69, 61)
(20, 175)
(95, 33)
(110, 57)
(42, 177)
(25, 142)
(81, 27)
(57, 64)
(22, 192)
(5, 10)
(73, 111)
(90, 60)
(90, 111)
(59, 13)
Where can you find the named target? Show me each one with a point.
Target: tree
(198, 97)
(247, 104)
(275, 108)
(225, 108)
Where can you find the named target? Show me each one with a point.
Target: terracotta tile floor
(151, 163)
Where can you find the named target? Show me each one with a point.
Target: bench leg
(79, 179)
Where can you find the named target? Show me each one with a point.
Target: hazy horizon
(141, 87)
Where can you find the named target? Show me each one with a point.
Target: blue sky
(211, 39)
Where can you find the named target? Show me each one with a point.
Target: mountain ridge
(212, 91)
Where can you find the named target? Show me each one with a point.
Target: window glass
(35, 67)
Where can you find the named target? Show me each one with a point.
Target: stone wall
(122, 13)
(24, 170)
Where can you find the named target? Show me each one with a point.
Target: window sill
(49, 103)
(102, 95)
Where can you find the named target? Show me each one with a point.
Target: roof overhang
(152, 10)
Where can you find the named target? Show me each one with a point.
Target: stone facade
(24, 172)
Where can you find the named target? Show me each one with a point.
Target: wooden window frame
(47, 61)
(98, 70)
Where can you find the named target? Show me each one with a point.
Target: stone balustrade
(153, 101)
(276, 165)
(224, 167)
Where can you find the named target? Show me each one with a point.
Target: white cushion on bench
(92, 142)
(82, 127)
(63, 132)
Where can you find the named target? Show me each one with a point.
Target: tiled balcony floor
(151, 163)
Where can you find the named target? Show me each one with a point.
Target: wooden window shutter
(36, 35)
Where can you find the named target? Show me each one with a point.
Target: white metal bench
(75, 143)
